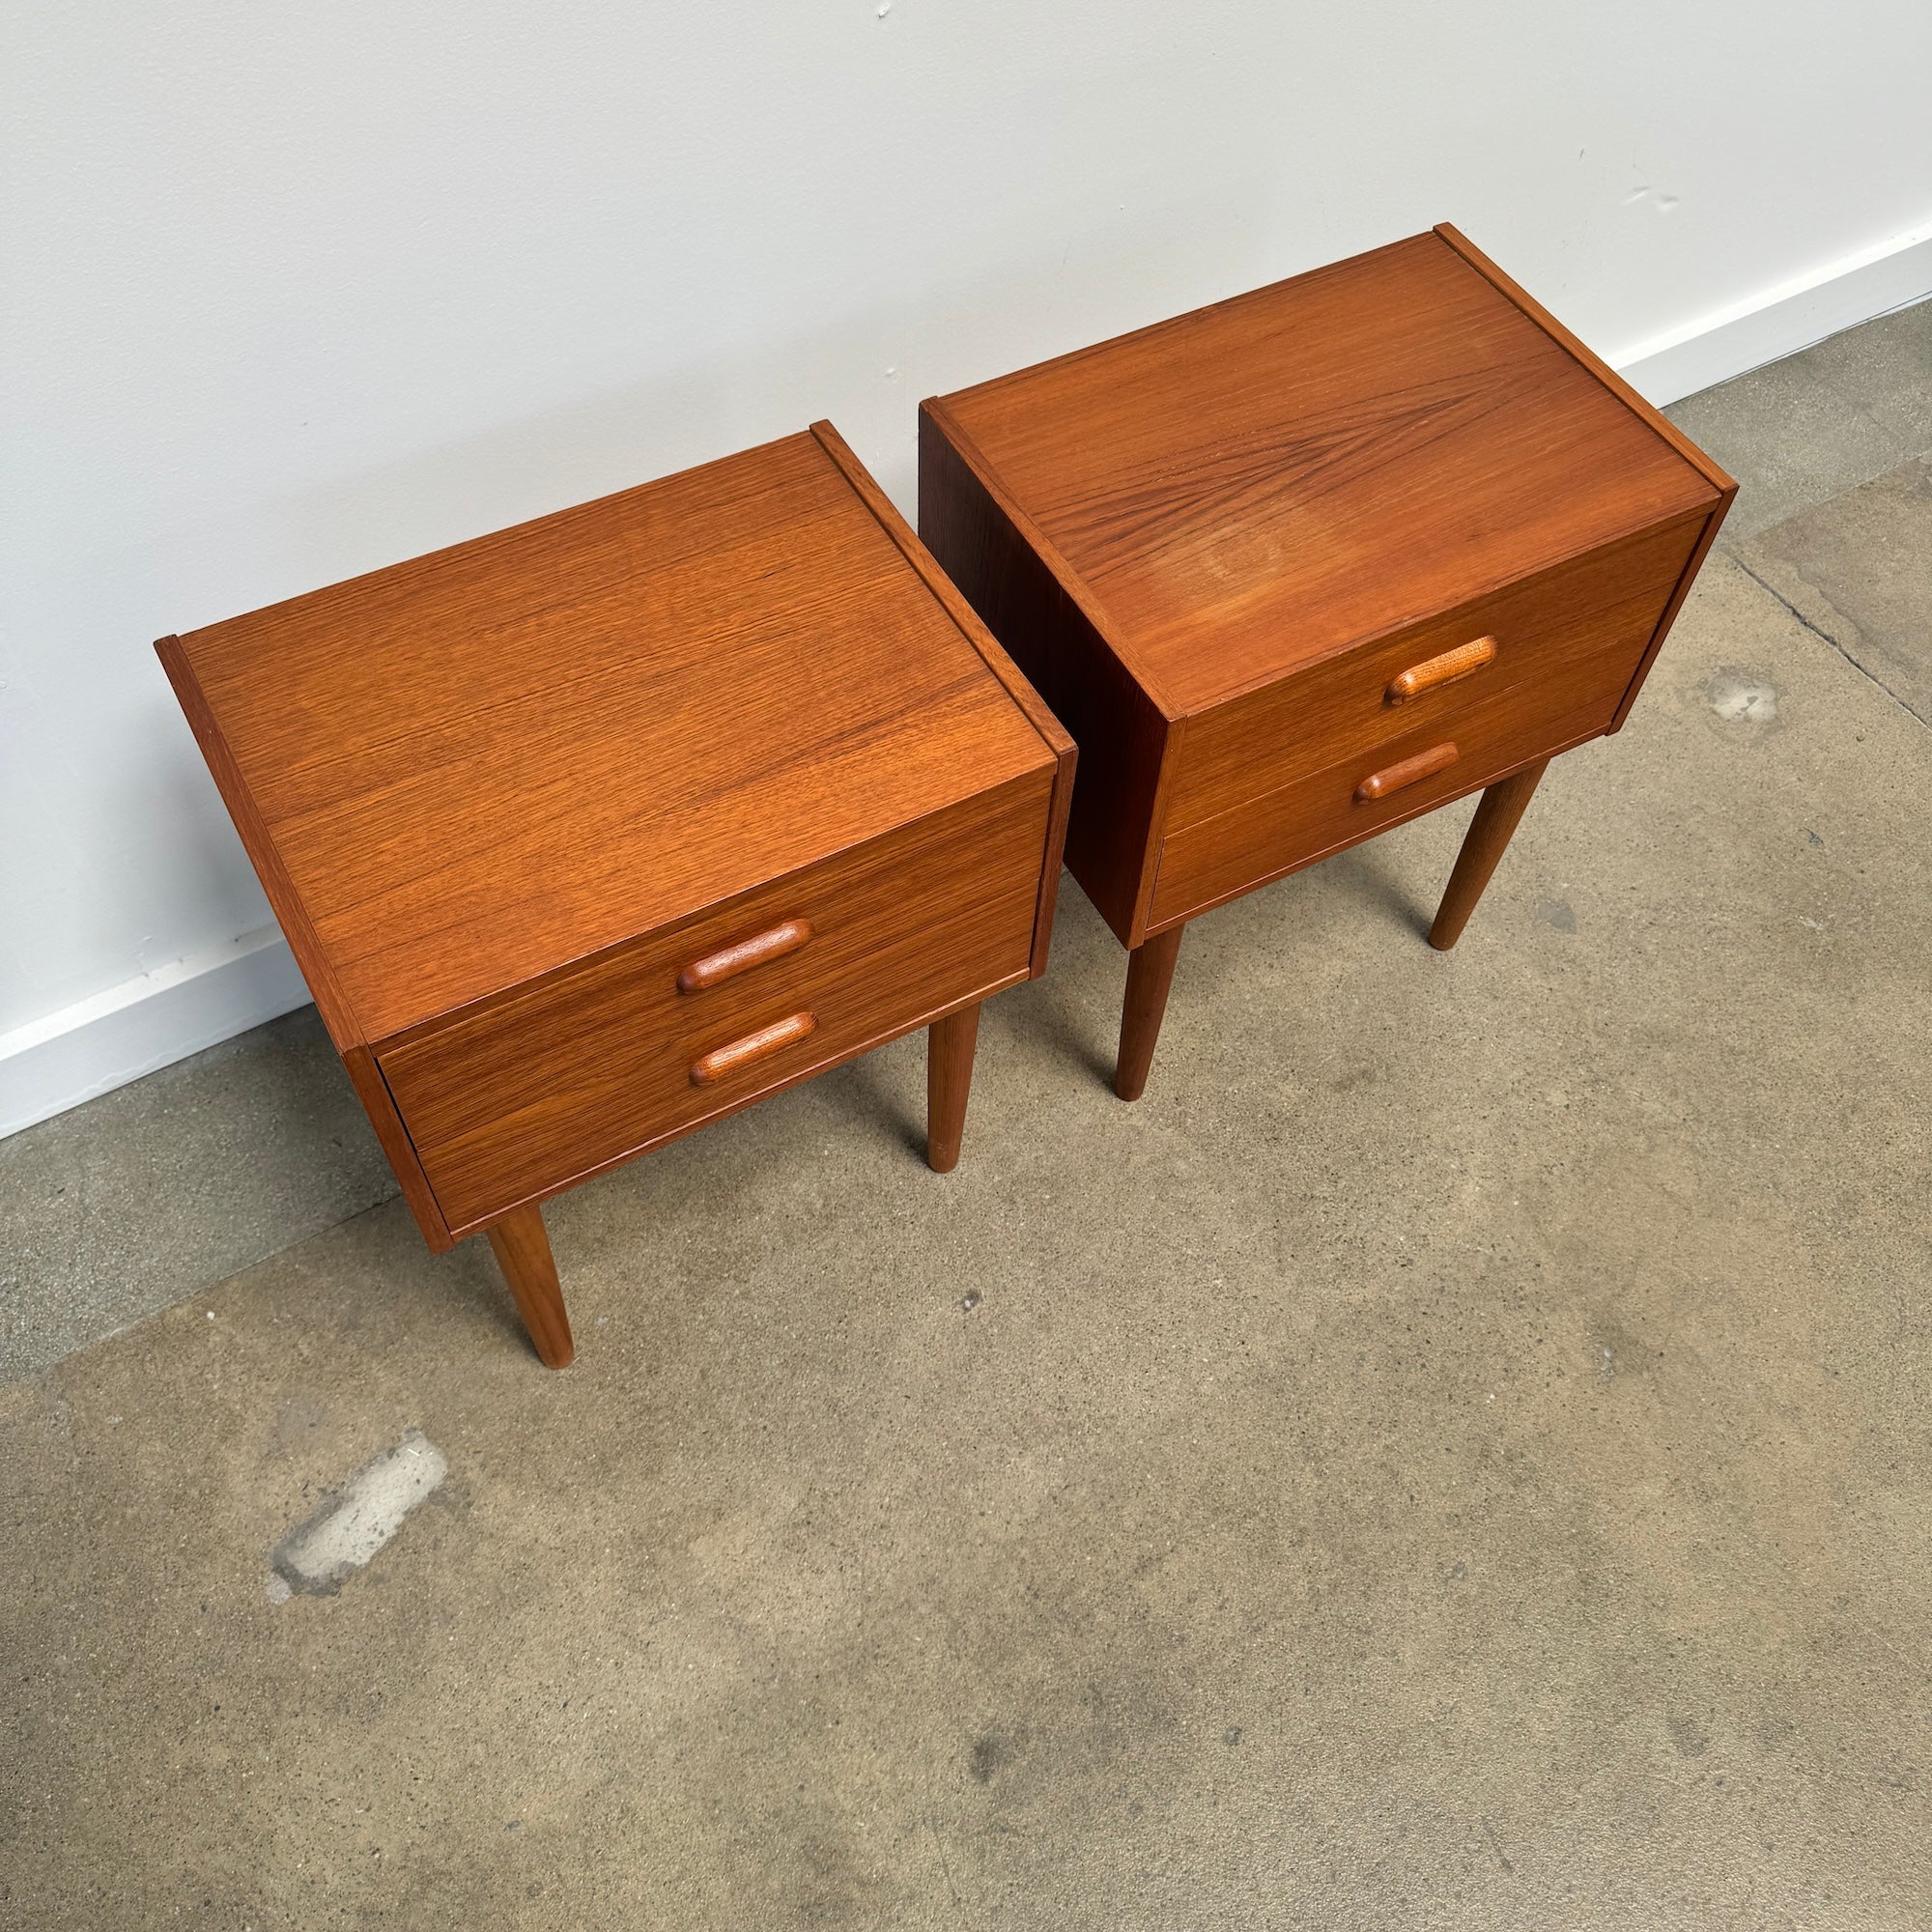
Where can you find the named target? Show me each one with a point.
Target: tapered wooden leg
(948, 1081)
(1149, 974)
(1485, 842)
(522, 1253)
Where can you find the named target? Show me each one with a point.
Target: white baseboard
(1781, 321)
(163, 1016)
(103, 1042)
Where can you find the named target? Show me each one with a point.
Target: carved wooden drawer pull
(754, 1047)
(786, 937)
(1424, 765)
(1445, 669)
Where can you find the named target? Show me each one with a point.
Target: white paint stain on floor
(364, 1515)
(1740, 698)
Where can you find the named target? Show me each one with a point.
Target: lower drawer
(577, 1073)
(1218, 858)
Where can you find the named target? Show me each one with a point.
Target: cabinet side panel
(380, 1104)
(1121, 735)
(1695, 562)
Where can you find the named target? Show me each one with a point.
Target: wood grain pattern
(1119, 727)
(1483, 846)
(1314, 535)
(1606, 604)
(1313, 489)
(741, 1056)
(1149, 979)
(742, 954)
(1293, 826)
(522, 785)
(290, 915)
(380, 1104)
(1687, 575)
(1234, 489)
(527, 1094)
(313, 961)
(481, 765)
(949, 1045)
(1408, 771)
(1058, 740)
(522, 1247)
(1646, 412)
(1450, 667)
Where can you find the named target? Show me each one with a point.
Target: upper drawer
(597, 1062)
(1605, 604)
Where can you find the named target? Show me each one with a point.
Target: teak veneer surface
(1596, 612)
(1244, 489)
(589, 1067)
(481, 766)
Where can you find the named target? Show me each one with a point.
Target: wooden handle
(1424, 765)
(1445, 669)
(754, 1047)
(727, 960)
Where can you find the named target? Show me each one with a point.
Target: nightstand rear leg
(1149, 974)
(523, 1252)
(1488, 837)
(948, 1081)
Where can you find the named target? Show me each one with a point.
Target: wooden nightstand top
(466, 771)
(1243, 490)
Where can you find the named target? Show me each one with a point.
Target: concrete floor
(1456, 1454)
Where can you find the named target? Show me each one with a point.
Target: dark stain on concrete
(991, 1755)
(1688, 1733)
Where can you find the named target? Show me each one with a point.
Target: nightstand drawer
(1601, 607)
(597, 1064)
(1203, 864)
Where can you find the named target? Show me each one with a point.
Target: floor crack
(1773, 590)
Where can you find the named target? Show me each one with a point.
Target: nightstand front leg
(948, 1081)
(1482, 845)
(523, 1252)
(1149, 974)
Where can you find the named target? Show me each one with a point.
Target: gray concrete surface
(1454, 1455)
(1857, 569)
(1817, 424)
(158, 1189)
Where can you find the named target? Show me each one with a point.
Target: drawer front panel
(1607, 603)
(581, 1071)
(1220, 856)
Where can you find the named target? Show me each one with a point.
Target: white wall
(293, 296)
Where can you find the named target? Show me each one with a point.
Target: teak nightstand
(593, 831)
(1299, 566)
